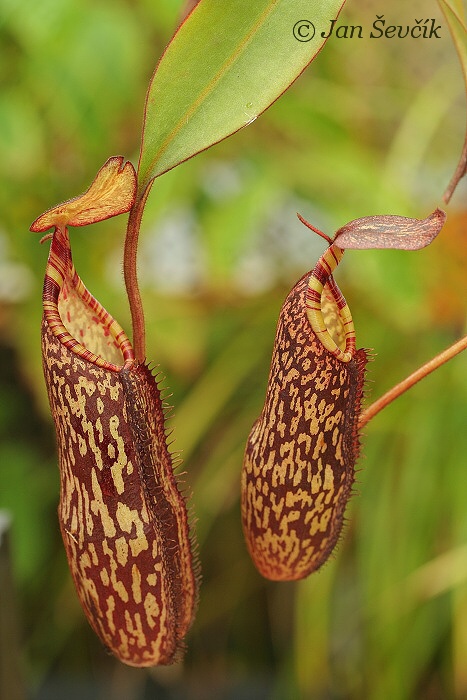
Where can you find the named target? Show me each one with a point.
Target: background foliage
(374, 126)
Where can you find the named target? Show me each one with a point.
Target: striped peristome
(122, 516)
(320, 276)
(299, 461)
(65, 299)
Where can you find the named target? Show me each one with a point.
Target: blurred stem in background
(411, 380)
(11, 685)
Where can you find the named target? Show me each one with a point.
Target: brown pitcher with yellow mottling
(300, 456)
(123, 519)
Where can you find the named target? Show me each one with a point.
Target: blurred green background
(372, 127)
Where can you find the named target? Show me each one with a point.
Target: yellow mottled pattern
(299, 461)
(123, 521)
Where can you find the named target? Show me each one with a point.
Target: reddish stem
(131, 277)
(314, 229)
(412, 379)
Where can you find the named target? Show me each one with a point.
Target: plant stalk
(131, 277)
(412, 379)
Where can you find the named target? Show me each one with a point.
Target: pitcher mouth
(76, 318)
(327, 309)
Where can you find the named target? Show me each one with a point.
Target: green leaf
(458, 7)
(454, 13)
(226, 64)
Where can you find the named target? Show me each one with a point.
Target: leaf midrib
(226, 66)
